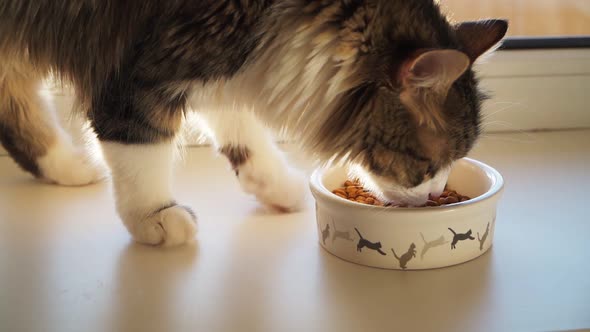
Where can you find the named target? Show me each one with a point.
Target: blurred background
(528, 18)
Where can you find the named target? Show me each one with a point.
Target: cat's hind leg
(32, 135)
(259, 165)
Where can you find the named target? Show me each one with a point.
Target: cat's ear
(478, 37)
(436, 69)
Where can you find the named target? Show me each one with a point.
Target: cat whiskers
(509, 106)
(528, 137)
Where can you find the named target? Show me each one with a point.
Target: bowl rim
(497, 186)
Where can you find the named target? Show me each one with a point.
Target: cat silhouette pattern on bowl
(410, 238)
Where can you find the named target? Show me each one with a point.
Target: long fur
(326, 72)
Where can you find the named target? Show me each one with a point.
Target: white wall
(537, 89)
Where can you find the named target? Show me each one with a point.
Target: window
(533, 23)
(539, 78)
(531, 18)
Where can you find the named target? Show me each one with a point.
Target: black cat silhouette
(403, 261)
(325, 233)
(483, 238)
(460, 237)
(366, 243)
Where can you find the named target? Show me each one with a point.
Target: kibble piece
(340, 192)
(354, 192)
(351, 189)
(361, 193)
(451, 200)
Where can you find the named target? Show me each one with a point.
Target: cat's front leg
(137, 137)
(142, 176)
(261, 168)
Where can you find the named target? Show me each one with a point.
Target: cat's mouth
(416, 196)
(402, 196)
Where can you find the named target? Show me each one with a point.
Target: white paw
(273, 183)
(171, 226)
(66, 165)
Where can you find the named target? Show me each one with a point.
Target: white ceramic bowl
(410, 238)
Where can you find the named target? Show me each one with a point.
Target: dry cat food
(354, 191)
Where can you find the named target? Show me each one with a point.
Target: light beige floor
(67, 264)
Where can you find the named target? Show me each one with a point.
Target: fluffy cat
(366, 243)
(460, 237)
(406, 257)
(384, 84)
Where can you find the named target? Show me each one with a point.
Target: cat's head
(468, 233)
(416, 110)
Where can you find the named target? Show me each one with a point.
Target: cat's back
(105, 32)
(56, 30)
